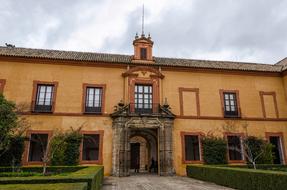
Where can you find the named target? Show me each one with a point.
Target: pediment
(143, 72)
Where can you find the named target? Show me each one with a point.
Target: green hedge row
(93, 176)
(58, 186)
(39, 169)
(258, 166)
(239, 178)
(16, 174)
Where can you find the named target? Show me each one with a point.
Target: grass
(58, 186)
(93, 176)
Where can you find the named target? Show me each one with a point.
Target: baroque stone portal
(155, 128)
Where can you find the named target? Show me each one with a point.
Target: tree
(58, 144)
(12, 125)
(254, 148)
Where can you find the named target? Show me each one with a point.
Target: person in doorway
(137, 166)
(152, 166)
(155, 166)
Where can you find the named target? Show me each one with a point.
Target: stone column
(168, 125)
(161, 157)
(166, 148)
(119, 147)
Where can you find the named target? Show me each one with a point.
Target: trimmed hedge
(93, 176)
(39, 169)
(17, 174)
(58, 186)
(239, 178)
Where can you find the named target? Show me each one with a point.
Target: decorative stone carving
(126, 124)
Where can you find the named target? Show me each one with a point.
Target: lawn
(92, 176)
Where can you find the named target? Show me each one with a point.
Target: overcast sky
(237, 30)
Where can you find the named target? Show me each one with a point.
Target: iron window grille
(234, 148)
(230, 105)
(44, 98)
(93, 102)
(143, 99)
(192, 149)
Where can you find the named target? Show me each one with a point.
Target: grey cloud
(243, 30)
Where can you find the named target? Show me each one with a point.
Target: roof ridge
(127, 59)
(67, 51)
(219, 61)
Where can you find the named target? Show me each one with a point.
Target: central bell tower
(143, 49)
(143, 46)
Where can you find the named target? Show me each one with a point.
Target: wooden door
(135, 155)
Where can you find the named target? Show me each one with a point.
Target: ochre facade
(193, 94)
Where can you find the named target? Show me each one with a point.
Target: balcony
(141, 109)
(144, 108)
(43, 108)
(93, 110)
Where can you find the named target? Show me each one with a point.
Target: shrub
(214, 150)
(68, 151)
(58, 156)
(71, 151)
(239, 178)
(13, 154)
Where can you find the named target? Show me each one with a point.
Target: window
(234, 147)
(192, 149)
(38, 146)
(277, 140)
(143, 98)
(44, 98)
(230, 104)
(143, 53)
(91, 144)
(93, 102)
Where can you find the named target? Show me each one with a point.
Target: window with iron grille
(143, 98)
(44, 98)
(143, 53)
(230, 104)
(234, 148)
(91, 144)
(38, 146)
(192, 149)
(93, 102)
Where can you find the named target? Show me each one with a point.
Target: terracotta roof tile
(127, 59)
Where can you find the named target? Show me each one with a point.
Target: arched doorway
(156, 129)
(143, 151)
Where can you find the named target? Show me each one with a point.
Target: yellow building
(138, 108)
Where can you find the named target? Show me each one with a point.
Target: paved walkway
(154, 182)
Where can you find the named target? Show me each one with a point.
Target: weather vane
(143, 21)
